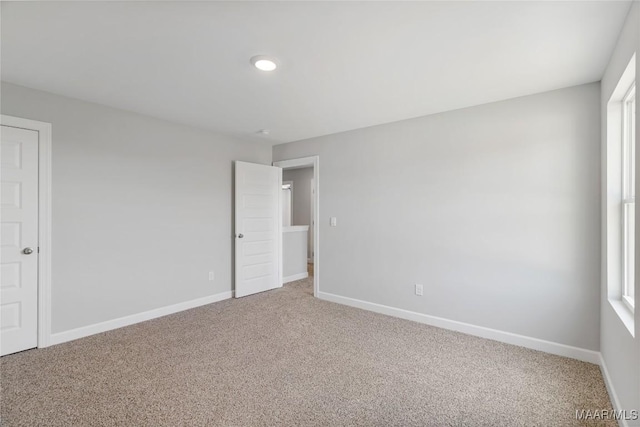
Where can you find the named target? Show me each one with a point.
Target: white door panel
(257, 228)
(19, 230)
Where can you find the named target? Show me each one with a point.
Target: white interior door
(257, 228)
(19, 236)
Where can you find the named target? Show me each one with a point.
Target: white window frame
(628, 198)
(618, 195)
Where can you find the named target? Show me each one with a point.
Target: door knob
(240, 236)
(27, 251)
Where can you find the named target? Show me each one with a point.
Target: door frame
(44, 220)
(312, 219)
(312, 161)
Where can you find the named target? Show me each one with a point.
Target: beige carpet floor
(285, 358)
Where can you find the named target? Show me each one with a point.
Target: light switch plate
(333, 221)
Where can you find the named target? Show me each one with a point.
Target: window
(628, 196)
(620, 197)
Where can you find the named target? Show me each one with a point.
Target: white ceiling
(343, 65)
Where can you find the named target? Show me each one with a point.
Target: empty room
(319, 213)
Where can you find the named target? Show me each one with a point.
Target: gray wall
(301, 198)
(495, 209)
(620, 350)
(141, 207)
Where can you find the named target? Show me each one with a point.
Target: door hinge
(38, 249)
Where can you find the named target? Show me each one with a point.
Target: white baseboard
(295, 277)
(467, 328)
(612, 392)
(109, 325)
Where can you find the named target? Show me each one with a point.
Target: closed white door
(257, 228)
(19, 236)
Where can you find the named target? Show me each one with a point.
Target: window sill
(625, 315)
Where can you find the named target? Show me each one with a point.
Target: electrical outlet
(419, 290)
(212, 276)
(333, 221)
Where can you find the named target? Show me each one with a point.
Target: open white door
(257, 228)
(19, 235)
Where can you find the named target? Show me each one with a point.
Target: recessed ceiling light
(263, 132)
(264, 63)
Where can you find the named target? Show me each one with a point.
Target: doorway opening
(300, 238)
